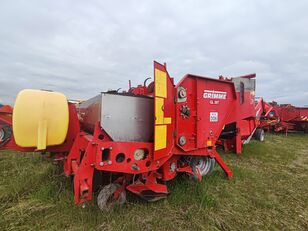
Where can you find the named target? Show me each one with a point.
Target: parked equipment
(138, 140)
(285, 117)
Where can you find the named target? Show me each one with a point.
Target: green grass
(269, 191)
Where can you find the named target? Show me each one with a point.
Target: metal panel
(249, 84)
(90, 113)
(127, 118)
(123, 117)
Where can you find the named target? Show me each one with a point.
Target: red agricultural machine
(139, 139)
(285, 117)
(5, 125)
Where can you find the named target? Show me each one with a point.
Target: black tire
(259, 134)
(5, 132)
(205, 164)
(105, 200)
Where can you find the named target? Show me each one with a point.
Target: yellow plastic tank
(40, 118)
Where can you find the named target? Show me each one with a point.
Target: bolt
(102, 148)
(110, 148)
(182, 140)
(135, 167)
(109, 162)
(172, 167)
(101, 164)
(182, 93)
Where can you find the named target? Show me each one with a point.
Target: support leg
(223, 165)
(84, 176)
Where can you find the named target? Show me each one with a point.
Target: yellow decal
(159, 112)
(160, 137)
(167, 120)
(160, 83)
(160, 125)
(209, 143)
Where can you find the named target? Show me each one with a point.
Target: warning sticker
(213, 116)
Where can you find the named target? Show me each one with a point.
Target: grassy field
(269, 191)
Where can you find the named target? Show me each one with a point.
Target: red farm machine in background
(285, 117)
(5, 125)
(139, 139)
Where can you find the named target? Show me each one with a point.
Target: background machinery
(285, 117)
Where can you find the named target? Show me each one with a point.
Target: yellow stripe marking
(160, 83)
(160, 137)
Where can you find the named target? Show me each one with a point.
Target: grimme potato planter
(139, 139)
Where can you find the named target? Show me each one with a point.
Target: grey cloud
(83, 47)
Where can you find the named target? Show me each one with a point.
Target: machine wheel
(259, 134)
(2, 134)
(108, 197)
(205, 164)
(213, 163)
(5, 133)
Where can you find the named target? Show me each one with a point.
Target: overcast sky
(81, 48)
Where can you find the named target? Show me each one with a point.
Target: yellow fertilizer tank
(40, 118)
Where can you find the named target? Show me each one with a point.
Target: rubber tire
(104, 195)
(5, 132)
(207, 169)
(259, 134)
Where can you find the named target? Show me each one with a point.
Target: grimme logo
(211, 94)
